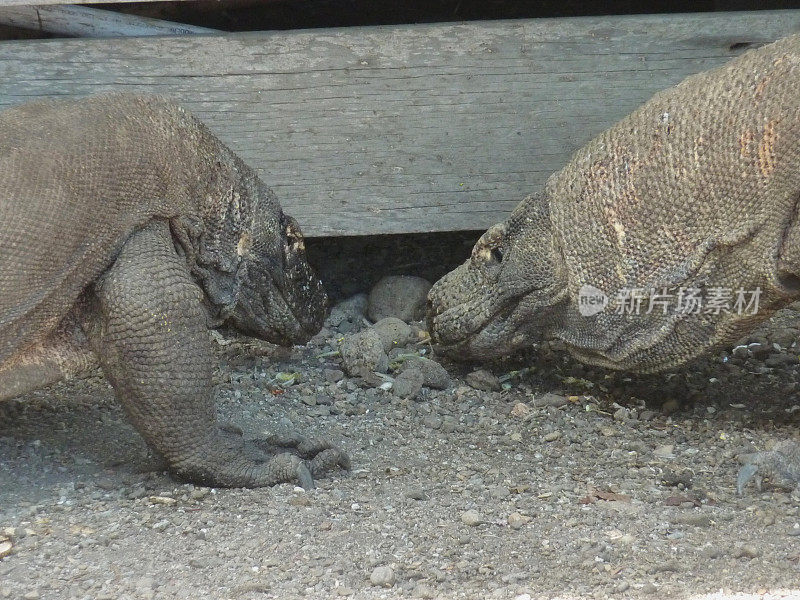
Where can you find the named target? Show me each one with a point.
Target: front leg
(151, 339)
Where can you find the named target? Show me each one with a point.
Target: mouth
(269, 314)
(491, 334)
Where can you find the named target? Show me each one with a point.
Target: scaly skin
(126, 229)
(698, 188)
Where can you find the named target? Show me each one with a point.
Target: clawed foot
(231, 461)
(306, 458)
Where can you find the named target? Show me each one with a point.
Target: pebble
(346, 315)
(552, 436)
(499, 492)
(665, 451)
(548, 399)
(483, 380)
(471, 518)
(423, 591)
(745, 551)
(165, 500)
(649, 588)
(408, 383)
(383, 576)
(697, 519)
(517, 520)
(394, 333)
(199, 493)
(520, 410)
(362, 353)
(436, 376)
(432, 421)
(343, 590)
(404, 297)
(333, 375)
(416, 493)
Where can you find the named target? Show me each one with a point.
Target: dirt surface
(571, 483)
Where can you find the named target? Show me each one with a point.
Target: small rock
(432, 421)
(649, 588)
(784, 337)
(333, 375)
(199, 493)
(343, 590)
(665, 451)
(408, 383)
(517, 520)
(5, 547)
(713, 552)
(746, 551)
(435, 375)
(622, 414)
(32, 595)
(346, 316)
(423, 591)
(696, 519)
(520, 410)
(483, 380)
(471, 518)
(416, 493)
(165, 500)
(383, 576)
(500, 492)
(362, 354)
(552, 436)
(669, 566)
(394, 333)
(404, 297)
(779, 360)
(548, 399)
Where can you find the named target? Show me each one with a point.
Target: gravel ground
(563, 482)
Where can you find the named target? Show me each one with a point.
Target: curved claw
(746, 473)
(304, 477)
(327, 460)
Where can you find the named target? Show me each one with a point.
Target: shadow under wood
(352, 265)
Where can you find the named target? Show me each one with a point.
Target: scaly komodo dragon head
(251, 262)
(281, 298)
(502, 298)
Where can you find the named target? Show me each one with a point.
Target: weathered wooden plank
(83, 21)
(408, 128)
(53, 2)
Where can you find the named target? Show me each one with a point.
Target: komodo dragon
(126, 230)
(693, 195)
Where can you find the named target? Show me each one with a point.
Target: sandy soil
(572, 483)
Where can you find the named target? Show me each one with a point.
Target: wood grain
(404, 128)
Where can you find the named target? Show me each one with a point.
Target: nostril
(497, 255)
